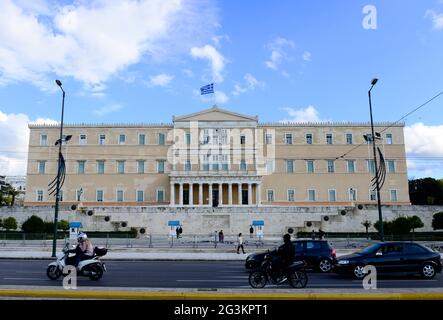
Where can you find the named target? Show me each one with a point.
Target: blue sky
(129, 61)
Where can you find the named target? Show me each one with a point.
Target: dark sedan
(391, 257)
(317, 254)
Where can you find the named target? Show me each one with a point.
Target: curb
(122, 295)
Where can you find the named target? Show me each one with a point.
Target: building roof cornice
(103, 125)
(330, 124)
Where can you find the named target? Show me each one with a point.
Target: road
(186, 274)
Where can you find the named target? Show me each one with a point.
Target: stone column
(230, 193)
(180, 196)
(258, 193)
(239, 194)
(172, 194)
(210, 194)
(249, 194)
(191, 194)
(220, 194)
(200, 194)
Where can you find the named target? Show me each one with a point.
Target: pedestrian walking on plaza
(251, 231)
(321, 234)
(240, 243)
(177, 232)
(313, 235)
(221, 236)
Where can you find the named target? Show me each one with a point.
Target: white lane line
(418, 281)
(33, 279)
(209, 280)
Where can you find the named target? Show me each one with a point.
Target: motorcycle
(92, 268)
(294, 274)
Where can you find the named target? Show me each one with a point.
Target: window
(120, 167)
(311, 245)
(332, 195)
(330, 164)
(141, 139)
(242, 139)
(99, 195)
(41, 166)
(372, 195)
(288, 138)
(78, 195)
(121, 139)
(140, 166)
(205, 166)
(268, 139)
(188, 166)
(161, 139)
(160, 195)
(290, 166)
(39, 195)
(349, 138)
(100, 166)
(81, 167)
(188, 139)
(350, 164)
(140, 196)
(215, 167)
(102, 139)
(291, 195)
(309, 138)
(270, 195)
(311, 195)
(329, 138)
(390, 249)
(243, 166)
(270, 166)
(82, 139)
(43, 139)
(391, 166)
(371, 166)
(393, 195)
(410, 248)
(225, 167)
(388, 139)
(160, 166)
(120, 196)
(310, 166)
(352, 194)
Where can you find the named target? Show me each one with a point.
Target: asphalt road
(186, 274)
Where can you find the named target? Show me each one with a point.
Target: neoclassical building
(217, 158)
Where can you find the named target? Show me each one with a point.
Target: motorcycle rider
(285, 255)
(84, 249)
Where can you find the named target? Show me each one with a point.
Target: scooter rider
(285, 255)
(84, 249)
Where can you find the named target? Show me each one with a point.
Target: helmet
(81, 237)
(287, 237)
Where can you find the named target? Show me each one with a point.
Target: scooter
(92, 268)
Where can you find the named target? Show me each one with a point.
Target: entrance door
(185, 196)
(215, 198)
(244, 196)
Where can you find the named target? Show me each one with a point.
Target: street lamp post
(57, 192)
(377, 184)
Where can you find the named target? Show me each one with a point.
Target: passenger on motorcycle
(83, 251)
(285, 255)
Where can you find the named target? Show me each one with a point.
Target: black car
(391, 257)
(317, 254)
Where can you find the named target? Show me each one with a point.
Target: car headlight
(343, 261)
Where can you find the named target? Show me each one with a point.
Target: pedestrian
(321, 234)
(220, 236)
(313, 234)
(251, 231)
(240, 243)
(180, 231)
(177, 232)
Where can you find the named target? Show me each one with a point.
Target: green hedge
(18, 235)
(418, 236)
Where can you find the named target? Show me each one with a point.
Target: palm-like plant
(367, 224)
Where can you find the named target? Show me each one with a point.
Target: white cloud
(218, 39)
(436, 18)
(423, 140)
(14, 135)
(214, 57)
(306, 56)
(251, 84)
(278, 52)
(160, 80)
(107, 109)
(217, 97)
(93, 41)
(309, 114)
(188, 73)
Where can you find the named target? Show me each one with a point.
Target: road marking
(209, 280)
(33, 279)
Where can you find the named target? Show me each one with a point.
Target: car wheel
(428, 271)
(359, 271)
(325, 265)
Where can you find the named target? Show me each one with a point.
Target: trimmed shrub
(34, 224)
(10, 223)
(437, 221)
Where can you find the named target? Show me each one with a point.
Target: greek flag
(207, 89)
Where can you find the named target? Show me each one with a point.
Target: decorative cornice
(330, 124)
(104, 125)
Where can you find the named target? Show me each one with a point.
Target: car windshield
(370, 249)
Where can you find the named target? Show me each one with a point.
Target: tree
(63, 225)
(386, 227)
(401, 225)
(49, 227)
(437, 221)
(367, 224)
(427, 191)
(10, 223)
(33, 224)
(415, 223)
(12, 192)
